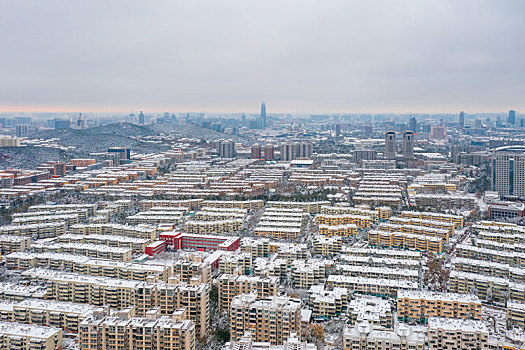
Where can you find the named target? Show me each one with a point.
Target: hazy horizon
(341, 57)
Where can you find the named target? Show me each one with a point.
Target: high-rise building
(118, 154)
(256, 151)
(141, 118)
(438, 132)
(512, 117)
(408, 145)
(390, 145)
(226, 149)
(462, 119)
(263, 115)
(288, 152)
(270, 319)
(413, 124)
(338, 130)
(269, 153)
(303, 149)
(508, 171)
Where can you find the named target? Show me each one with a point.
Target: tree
(436, 276)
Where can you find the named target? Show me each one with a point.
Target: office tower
(256, 151)
(141, 118)
(408, 145)
(243, 119)
(338, 130)
(303, 149)
(390, 145)
(462, 120)
(263, 115)
(270, 319)
(118, 155)
(80, 122)
(512, 117)
(226, 149)
(413, 124)
(269, 152)
(288, 152)
(438, 132)
(508, 171)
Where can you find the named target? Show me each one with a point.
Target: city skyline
(335, 57)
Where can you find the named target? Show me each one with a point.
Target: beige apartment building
(271, 319)
(418, 306)
(29, 337)
(365, 336)
(230, 286)
(127, 332)
(456, 334)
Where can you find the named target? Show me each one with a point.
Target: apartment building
(419, 306)
(309, 207)
(271, 319)
(326, 304)
(371, 286)
(416, 230)
(382, 253)
(46, 230)
(456, 334)
(10, 244)
(137, 245)
(63, 315)
(344, 231)
(362, 221)
(229, 286)
(18, 292)
(449, 226)
(91, 208)
(277, 232)
(377, 272)
(257, 247)
(249, 205)
(192, 204)
(88, 266)
(374, 310)
(247, 343)
(372, 261)
(215, 227)
(77, 288)
(365, 336)
(380, 214)
(327, 246)
(236, 264)
(489, 268)
(69, 219)
(29, 337)
(418, 242)
(127, 332)
(457, 220)
(445, 201)
(304, 274)
(91, 250)
(188, 270)
(139, 231)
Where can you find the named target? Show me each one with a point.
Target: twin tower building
(391, 146)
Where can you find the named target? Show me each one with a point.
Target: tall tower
(462, 119)
(263, 115)
(408, 145)
(390, 145)
(512, 117)
(413, 124)
(508, 171)
(141, 118)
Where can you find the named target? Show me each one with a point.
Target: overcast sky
(298, 56)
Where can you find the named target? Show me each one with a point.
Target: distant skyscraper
(390, 145)
(226, 149)
(512, 117)
(303, 149)
(141, 118)
(462, 119)
(413, 124)
(256, 151)
(263, 115)
(408, 145)
(338, 130)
